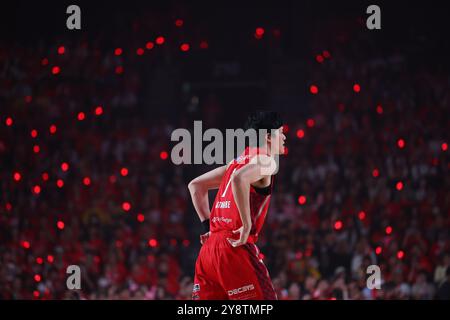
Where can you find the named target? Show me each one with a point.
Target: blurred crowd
(86, 177)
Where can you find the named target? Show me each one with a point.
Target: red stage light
(186, 242)
(124, 172)
(98, 110)
(36, 189)
(119, 70)
(140, 217)
(356, 87)
(17, 176)
(26, 245)
(314, 89)
(56, 70)
(118, 51)
(86, 181)
(401, 143)
(259, 32)
(152, 243)
(45, 176)
(204, 44)
(326, 54)
(379, 109)
(378, 250)
(112, 179)
(184, 47)
(64, 166)
(8, 206)
(179, 23)
(81, 116)
(388, 230)
(319, 58)
(140, 51)
(36, 294)
(400, 254)
(61, 50)
(37, 278)
(160, 40)
(361, 215)
(52, 129)
(302, 200)
(60, 183)
(338, 225)
(444, 146)
(50, 258)
(399, 186)
(34, 133)
(375, 173)
(39, 260)
(310, 123)
(36, 149)
(300, 134)
(60, 225)
(9, 121)
(126, 206)
(149, 45)
(163, 155)
(44, 62)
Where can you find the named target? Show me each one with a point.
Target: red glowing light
(61, 50)
(98, 110)
(34, 133)
(152, 243)
(319, 58)
(52, 129)
(179, 23)
(379, 109)
(37, 189)
(140, 51)
(81, 116)
(64, 166)
(184, 47)
(378, 250)
(400, 254)
(399, 186)
(444, 146)
(8, 206)
(56, 70)
(36, 149)
(338, 225)
(26, 244)
(140, 217)
(204, 44)
(163, 155)
(160, 40)
(375, 173)
(124, 172)
(314, 89)
(149, 45)
(50, 258)
(60, 183)
(285, 128)
(259, 32)
(388, 230)
(9, 121)
(126, 206)
(44, 62)
(186, 242)
(118, 51)
(45, 176)
(60, 225)
(112, 179)
(326, 54)
(361, 215)
(17, 176)
(119, 70)
(86, 181)
(302, 200)
(310, 123)
(356, 87)
(401, 143)
(39, 260)
(37, 278)
(300, 134)
(36, 294)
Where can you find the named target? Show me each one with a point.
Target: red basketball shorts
(223, 272)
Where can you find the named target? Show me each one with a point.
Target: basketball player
(228, 265)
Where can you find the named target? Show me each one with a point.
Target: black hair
(263, 120)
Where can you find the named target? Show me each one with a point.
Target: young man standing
(228, 265)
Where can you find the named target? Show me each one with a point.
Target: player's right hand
(243, 237)
(204, 237)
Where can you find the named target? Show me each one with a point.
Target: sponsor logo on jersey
(221, 219)
(241, 289)
(223, 204)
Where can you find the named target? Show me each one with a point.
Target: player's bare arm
(254, 173)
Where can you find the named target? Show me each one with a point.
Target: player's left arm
(260, 167)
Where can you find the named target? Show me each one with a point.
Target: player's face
(277, 141)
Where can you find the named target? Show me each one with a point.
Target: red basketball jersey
(225, 214)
